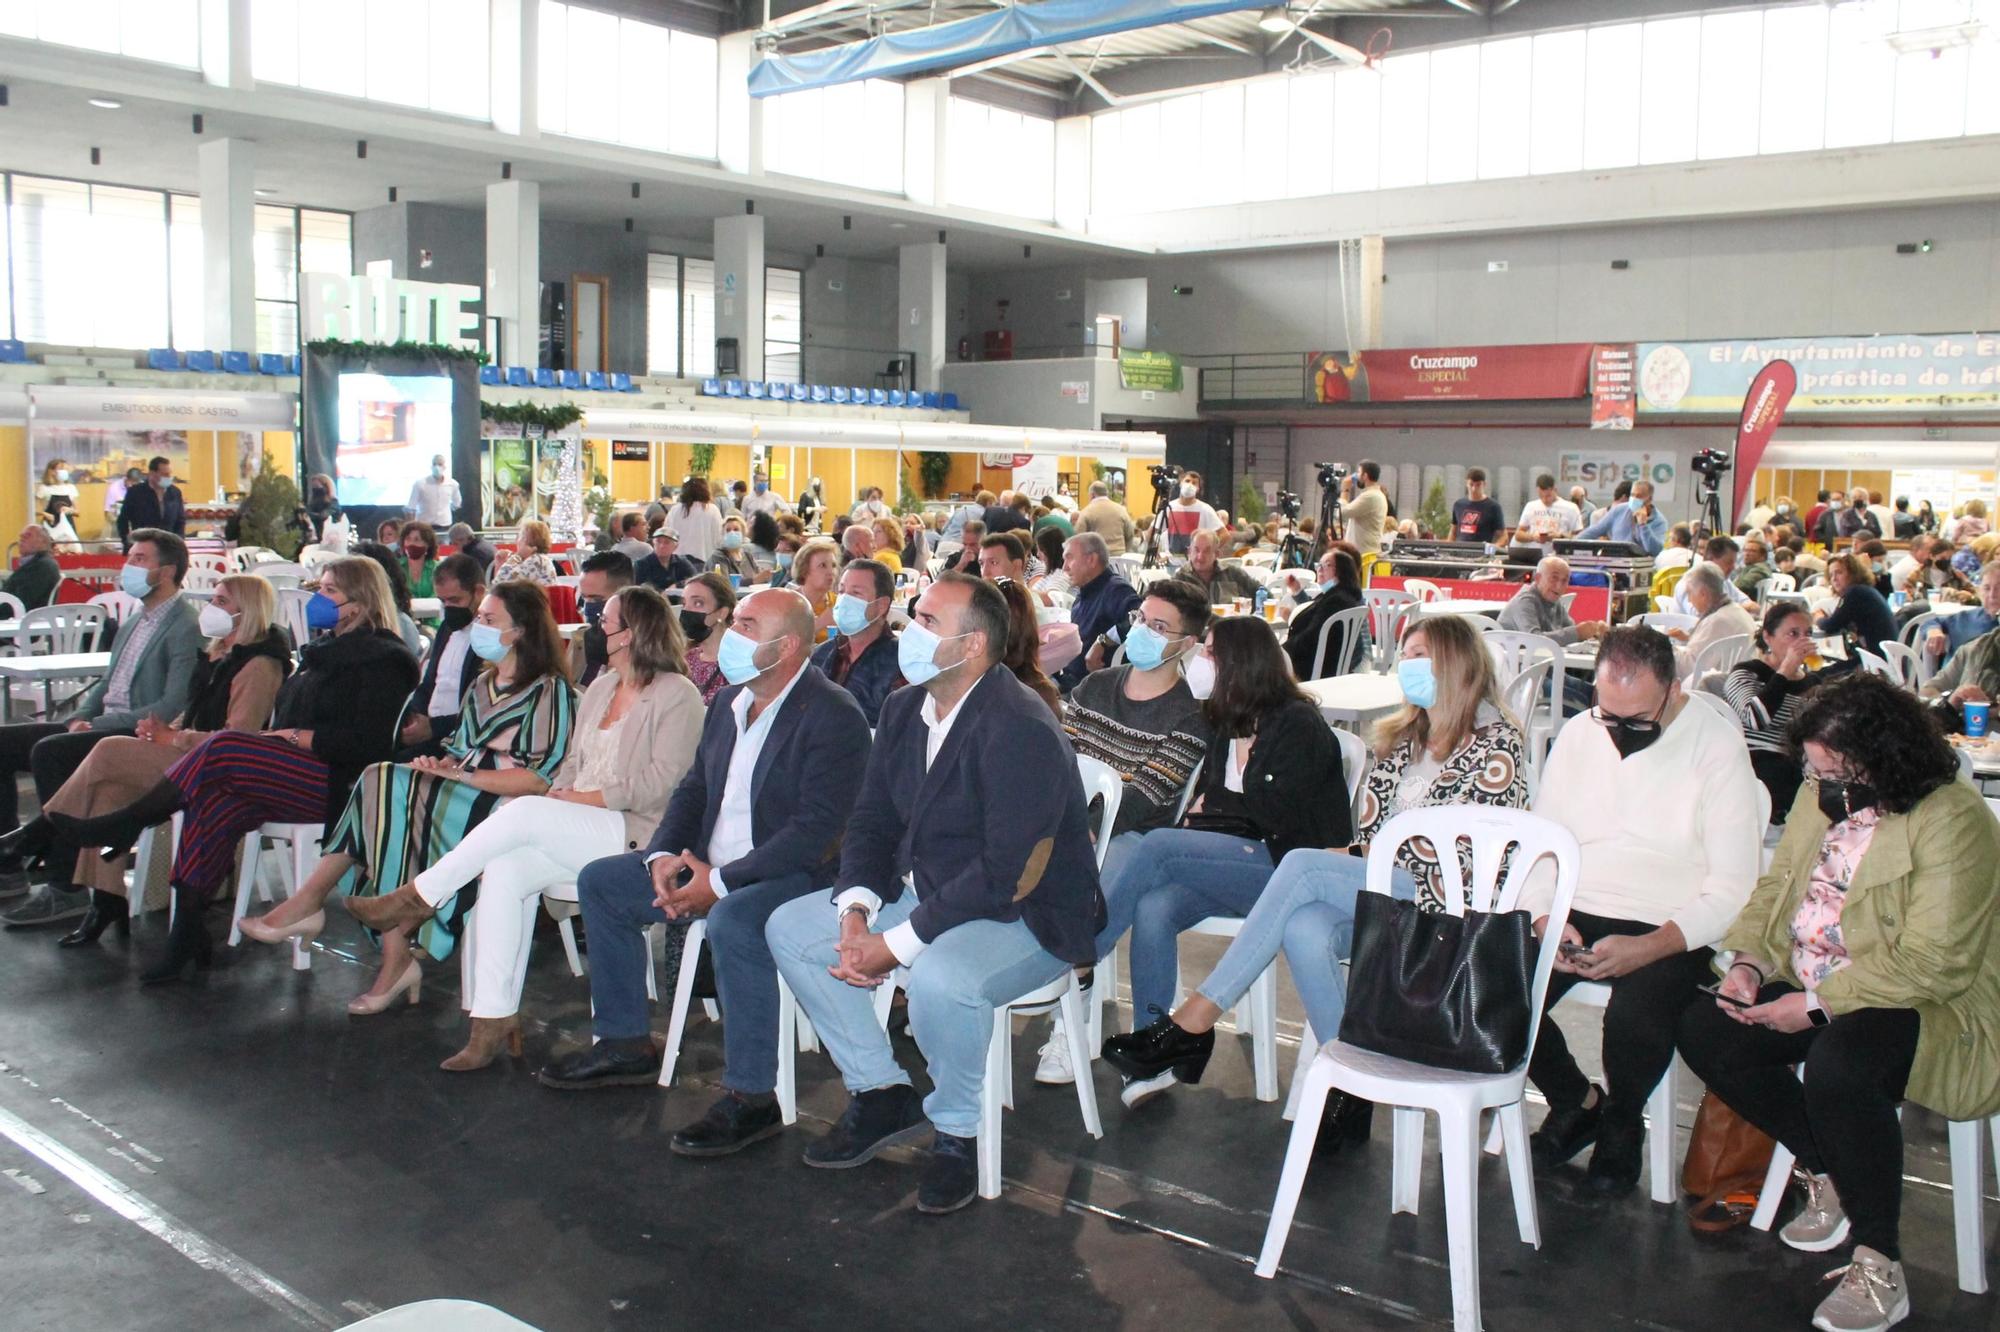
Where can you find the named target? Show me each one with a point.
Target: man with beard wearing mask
(1663, 802)
(460, 585)
(603, 575)
(861, 656)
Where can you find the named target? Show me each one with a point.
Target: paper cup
(1977, 716)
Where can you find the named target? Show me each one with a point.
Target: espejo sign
(1599, 471)
(1894, 373)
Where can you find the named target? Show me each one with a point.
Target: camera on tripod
(1331, 475)
(1164, 476)
(1288, 506)
(1710, 463)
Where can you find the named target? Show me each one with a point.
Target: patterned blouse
(536, 568)
(1818, 948)
(1489, 768)
(707, 676)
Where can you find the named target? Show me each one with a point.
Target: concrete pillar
(514, 268)
(926, 128)
(920, 310)
(1073, 173)
(739, 118)
(514, 37)
(1368, 318)
(225, 43)
(739, 289)
(226, 169)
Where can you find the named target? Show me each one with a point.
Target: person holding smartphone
(1868, 957)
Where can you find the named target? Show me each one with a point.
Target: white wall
(1030, 393)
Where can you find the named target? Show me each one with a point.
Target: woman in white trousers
(636, 735)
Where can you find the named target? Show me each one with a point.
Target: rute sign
(385, 309)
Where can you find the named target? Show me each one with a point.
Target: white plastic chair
(1523, 696)
(1777, 582)
(11, 607)
(144, 852)
(303, 841)
(1904, 665)
(1458, 1099)
(1873, 664)
(1720, 705)
(205, 571)
(1422, 589)
(1721, 655)
(1514, 652)
(292, 613)
(120, 606)
(1664, 620)
(1351, 624)
(1389, 608)
(281, 574)
(55, 631)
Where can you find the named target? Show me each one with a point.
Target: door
(590, 322)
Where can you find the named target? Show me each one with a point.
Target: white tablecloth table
(1355, 698)
(46, 670)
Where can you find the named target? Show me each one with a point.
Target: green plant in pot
(268, 509)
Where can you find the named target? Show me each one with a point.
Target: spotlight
(106, 104)
(1275, 19)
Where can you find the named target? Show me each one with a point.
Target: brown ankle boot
(402, 908)
(483, 1046)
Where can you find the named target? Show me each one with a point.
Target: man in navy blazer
(756, 822)
(968, 862)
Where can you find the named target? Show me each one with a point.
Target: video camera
(1288, 505)
(1331, 475)
(1165, 475)
(1710, 463)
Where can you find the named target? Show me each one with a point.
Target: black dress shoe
(614, 1063)
(1161, 1048)
(951, 1180)
(188, 944)
(1346, 1122)
(873, 1120)
(26, 845)
(1614, 1166)
(106, 910)
(731, 1124)
(1567, 1130)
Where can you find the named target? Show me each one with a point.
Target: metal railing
(1249, 377)
(852, 367)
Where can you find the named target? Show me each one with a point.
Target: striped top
(1154, 744)
(1767, 701)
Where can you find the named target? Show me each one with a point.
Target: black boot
(1160, 1048)
(1345, 1123)
(106, 910)
(26, 845)
(117, 831)
(187, 943)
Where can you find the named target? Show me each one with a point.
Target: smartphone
(1571, 952)
(1730, 999)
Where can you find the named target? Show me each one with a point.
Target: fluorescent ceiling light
(1275, 19)
(265, 194)
(1937, 39)
(105, 104)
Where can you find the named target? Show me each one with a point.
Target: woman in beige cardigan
(636, 734)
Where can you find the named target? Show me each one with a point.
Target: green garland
(552, 420)
(336, 347)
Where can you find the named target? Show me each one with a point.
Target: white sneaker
(1055, 1070)
(1139, 1091)
(1871, 1297)
(1820, 1224)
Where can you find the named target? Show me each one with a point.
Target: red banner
(1452, 374)
(1763, 407)
(1614, 403)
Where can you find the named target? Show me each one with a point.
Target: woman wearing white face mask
(1450, 744)
(514, 731)
(235, 685)
(636, 733)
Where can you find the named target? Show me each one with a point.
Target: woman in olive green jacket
(1870, 954)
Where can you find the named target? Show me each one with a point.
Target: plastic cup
(736, 580)
(1271, 610)
(1242, 605)
(1977, 716)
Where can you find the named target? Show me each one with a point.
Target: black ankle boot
(1345, 1122)
(106, 910)
(27, 845)
(187, 943)
(117, 831)
(1160, 1048)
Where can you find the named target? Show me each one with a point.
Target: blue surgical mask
(163, 481)
(731, 540)
(850, 614)
(1145, 646)
(916, 653)
(322, 611)
(761, 487)
(1419, 682)
(1635, 504)
(784, 559)
(738, 658)
(135, 581)
(1328, 584)
(485, 641)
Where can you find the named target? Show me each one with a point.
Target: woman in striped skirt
(1767, 691)
(512, 737)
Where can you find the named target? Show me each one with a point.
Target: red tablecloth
(1592, 603)
(562, 600)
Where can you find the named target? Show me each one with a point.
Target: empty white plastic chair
(1422, 589)
(302, 841)
(1388, 608)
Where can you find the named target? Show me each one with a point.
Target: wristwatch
(1815, 1014)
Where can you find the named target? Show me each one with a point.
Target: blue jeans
(1174, 879)
(953, 988)
(617, 898)
(1307, 909)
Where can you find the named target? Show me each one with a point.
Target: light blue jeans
(1307, 909)
(1172, 880)
(954, 986)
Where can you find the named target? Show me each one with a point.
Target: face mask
(850, 614)
(593, 611)
(1145, 646)
(1784, 509)
(738, 658)
(916, 651)
(134, 581)
(62, 475)
(762, 486)
(1629, 736)
(784, 559)
(695, 625)
(1842, 800)
(322, 612)
(163, 481)
(596, 647)
(1200, 672)
(1328, 584)
(416, 554)
(215, 622)
(1188, 491)
(732, 540)
(457, 617)
(1636, 504)
(437, 473)
(1418, 680)
(486, 642)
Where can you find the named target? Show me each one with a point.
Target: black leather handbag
(1448, 991)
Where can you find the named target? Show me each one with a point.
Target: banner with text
(1613, 399)
(1955, 372)
(1599, 471)
(1452, 374)
(1159, 371)
(1763, 408)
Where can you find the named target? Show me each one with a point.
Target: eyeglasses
(1612, 721)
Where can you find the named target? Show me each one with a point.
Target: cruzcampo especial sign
(1159, 371)
(1914, 372)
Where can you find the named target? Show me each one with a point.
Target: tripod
(1329, 519)
(1156, 530)
(1708, 509)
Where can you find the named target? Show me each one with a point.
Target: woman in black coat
(1339, 590)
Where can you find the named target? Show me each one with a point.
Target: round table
(1358, 697)
(1460, 606)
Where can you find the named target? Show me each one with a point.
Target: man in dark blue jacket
(755, 823)
(968, 862)
(157, 504)
(1104, 602)
(861, 657)
(666, 567)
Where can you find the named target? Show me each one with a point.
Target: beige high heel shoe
(305, 930)
(412, 979)
(484, 1045)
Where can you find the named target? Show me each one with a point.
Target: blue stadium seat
(840, 394)
(237, 363)
(775, 391)
(204, 362)
(622, 383)
(12, 351)
(572, 379)
(597, 379)
(878, 397)
(798, 392)
(754, 389)
(711, 388)
(734, 388)
(819, 393)
(271, 363)
(928, 400)
(545, 378)
(898, 398)
(291, 365)
(488, 374)
(950, 402)
(165, 358)
(518, 377)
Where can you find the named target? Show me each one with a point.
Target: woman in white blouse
(530, 562)
(697, 522)
(636, 734)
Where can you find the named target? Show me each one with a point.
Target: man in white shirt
(1188, 513)
(1718, 553)
(762, 499)
(1661, 797)
(435, 498)
(1547, 516)
(1368, 512)
(982, 886)
(1705, 592)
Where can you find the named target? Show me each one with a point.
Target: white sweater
(1669, 834)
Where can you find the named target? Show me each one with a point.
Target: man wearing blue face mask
(761, 498)
(861, 656)
(156, 504)
(1638, 521)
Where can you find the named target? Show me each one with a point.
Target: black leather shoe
(188, 944)
(1161, 1048)
(731, 1124)
(26, 845)
(951, 1180)
(1614, 1166)
(616, 1063)
(106, 910)
(1567, 1130)
(873, 1120)
(1346, 1122)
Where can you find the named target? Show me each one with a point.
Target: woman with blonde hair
(1450, 744)
(530, 562)
(335, 715)
(815, 570)
(889, 543)
(636, 733)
